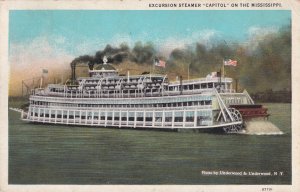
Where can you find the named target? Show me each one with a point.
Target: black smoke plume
(114, 55)
(261, 62)
(143, 53)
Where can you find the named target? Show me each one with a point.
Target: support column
(29, 113)
(195, 118)
(163, 119)
(55, 116)
(144, 119)
(68, 113)
(184, 118)
(173, 118)
(211, 115)
(50, 118)
(44, 115)
(134, 124)
(99, 117)
(127, 117)
(86, 117)
(120, 118)
(92, 117)
(80, 118)
(113, 117)
(105, 122)
(153, 118)
(39, 112)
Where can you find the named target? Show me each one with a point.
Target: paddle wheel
(249, 112)
(237, 116)
(229, 114)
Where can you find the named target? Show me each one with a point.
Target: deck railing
(134, 123)
(205, 79)
(117, 94)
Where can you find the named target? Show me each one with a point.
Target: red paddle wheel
(251, 111)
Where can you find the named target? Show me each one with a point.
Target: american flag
(230, 62)
(45, 71)
(159, 63)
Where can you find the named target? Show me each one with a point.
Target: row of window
(188, 118)
(124, 81)
(179, 104)
(116, 91)
(169, 88)
(233, 100)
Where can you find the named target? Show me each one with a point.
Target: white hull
(125, 124)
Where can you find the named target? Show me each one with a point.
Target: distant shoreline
(270, 96)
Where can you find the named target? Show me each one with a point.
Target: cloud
(28, 59)
(257, 34)
(39, 49)
(205, 37)
(256, 31)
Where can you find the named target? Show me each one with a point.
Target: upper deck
(149, 85)
(105, 82)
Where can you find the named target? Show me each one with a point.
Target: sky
(84, 32)
(51, 39)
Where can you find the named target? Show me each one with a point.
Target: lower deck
(147, 118)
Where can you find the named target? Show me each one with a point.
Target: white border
(5, 6)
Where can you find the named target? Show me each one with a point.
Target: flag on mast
(45, 71)
(159, 63)
(230, 62)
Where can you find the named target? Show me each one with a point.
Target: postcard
(149, 95)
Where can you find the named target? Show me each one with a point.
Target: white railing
(204, 79)
(132, 108)
(118, 123)
(120, 94)
(121, 101)
(131, 124)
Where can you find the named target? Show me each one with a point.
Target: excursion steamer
(150, 101)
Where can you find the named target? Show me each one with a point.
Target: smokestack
(86, 59)
(236, 85)
(73, 67)
(180, 86)
(91, 65)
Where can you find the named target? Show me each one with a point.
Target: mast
(223, 67)
(188, 71)
(180, 87)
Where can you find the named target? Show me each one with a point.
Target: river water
(44, 154)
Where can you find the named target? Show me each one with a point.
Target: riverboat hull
(95, 124)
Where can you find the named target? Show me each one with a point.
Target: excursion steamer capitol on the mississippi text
(107, 99)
